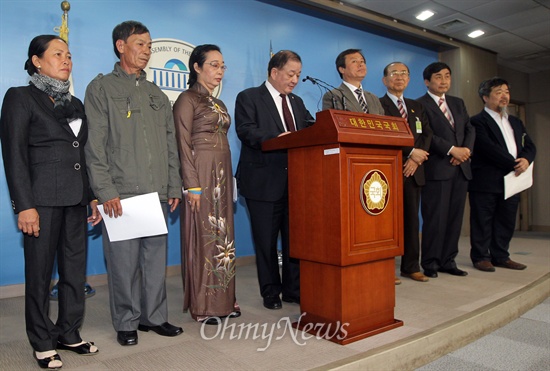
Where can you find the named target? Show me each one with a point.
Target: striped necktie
(402, 109)
(362, 102)
(443, 108)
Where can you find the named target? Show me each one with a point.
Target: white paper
(142, 216)
(514, 184)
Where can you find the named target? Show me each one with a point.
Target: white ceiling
(517, 30)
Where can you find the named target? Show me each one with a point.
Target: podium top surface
(345, 127)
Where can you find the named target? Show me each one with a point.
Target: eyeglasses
(217, 65)
(399, 73)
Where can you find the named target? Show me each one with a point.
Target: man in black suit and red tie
(502, 146)
(396, 79)
(261, 113)
(447, 172)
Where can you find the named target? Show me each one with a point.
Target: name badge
(418, 126)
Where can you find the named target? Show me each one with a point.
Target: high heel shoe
(52, 363)
(82, 349)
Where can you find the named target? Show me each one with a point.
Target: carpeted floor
(262, 339)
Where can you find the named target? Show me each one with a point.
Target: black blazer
(492, 161)
(263, 175)
(438, 167)
(43, 159)
(422, 140)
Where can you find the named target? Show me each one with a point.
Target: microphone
(329, 88)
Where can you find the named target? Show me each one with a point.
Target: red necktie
(402, 109)
(289, 121)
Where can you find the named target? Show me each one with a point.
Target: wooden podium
(346, 220)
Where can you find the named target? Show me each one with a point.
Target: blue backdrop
(243, 29)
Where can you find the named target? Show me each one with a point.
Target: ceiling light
(425, 15)
(476, 33)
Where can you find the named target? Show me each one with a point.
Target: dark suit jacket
(352, 104)
(438, 167)
(422, 140)
(492, 161)
(43, 159)
(263, 175)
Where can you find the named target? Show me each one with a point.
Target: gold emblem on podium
(375, 192)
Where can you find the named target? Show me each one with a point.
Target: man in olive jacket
(132, 150)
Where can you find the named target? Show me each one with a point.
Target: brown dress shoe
(510, 264)
(417, 276)
(397, 281)
(484, 265)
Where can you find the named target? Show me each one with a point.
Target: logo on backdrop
(375, 193)
(169, 67)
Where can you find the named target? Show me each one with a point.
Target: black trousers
(443, 203)
(267, 220)
(492, 223)
(62, 232)
(411, 205)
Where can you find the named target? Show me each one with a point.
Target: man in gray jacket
(132, 150)
(350, 96)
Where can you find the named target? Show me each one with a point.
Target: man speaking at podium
(350, 95)
(263, 113)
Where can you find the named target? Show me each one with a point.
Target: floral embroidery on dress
(220, 128)
(221, 265)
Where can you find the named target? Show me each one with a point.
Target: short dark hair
(37, 47)
(434, 68)
(281, 58)
(198, 56)
(341, 59)
(486, 86)
(126, 29)
(396, 62)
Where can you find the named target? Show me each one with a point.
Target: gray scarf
(57, 89)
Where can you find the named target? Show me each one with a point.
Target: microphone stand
(328, 88)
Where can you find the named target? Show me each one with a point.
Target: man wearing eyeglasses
(350, 95)
(396, 79)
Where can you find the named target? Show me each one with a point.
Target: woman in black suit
(43, 132)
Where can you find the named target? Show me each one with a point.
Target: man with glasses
(261, 113)
(350, 95)
(396, 79)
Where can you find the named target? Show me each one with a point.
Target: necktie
(402, 109)
(443, 108)
(289, 121)
(362, 102)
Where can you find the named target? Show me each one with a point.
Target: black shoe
(213, 321)
(49, 362)
(454, 272)
(127, 337)
(290, 299)
(234, 314)
(430, 273)
(165, 329)
(272, 302)
(82, 349)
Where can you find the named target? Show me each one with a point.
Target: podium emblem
(375, 192)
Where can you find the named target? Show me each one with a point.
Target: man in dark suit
(263, 113)
(350, 95)
(502, 146)
(396, 79)
(447, 172)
